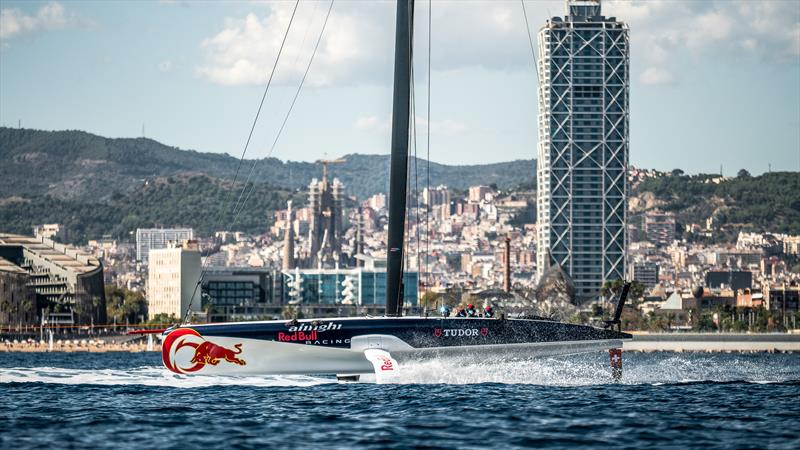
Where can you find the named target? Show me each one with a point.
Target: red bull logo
(297, 336)
(186, 344)
(386, 363)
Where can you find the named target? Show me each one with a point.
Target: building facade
(583, 68)
(645, 273)
(478, 194)
(172, 277)
(325, 200)
(241, 293)
(42, 279)
(659, 228)
(437, 196)
(358, 287)
(153, 238)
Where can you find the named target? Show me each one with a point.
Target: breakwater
(714, 342)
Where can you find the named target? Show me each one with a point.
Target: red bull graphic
(187, 341)
(386, 362)
(297, 336)
(211, 353)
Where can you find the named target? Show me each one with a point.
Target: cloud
(358, 45)
(14, 22)
(656, 75)
(359, 40)
(367, 123)
(662, 30)
(443, 127)
(243, 52)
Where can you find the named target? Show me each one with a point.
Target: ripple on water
(676, 400)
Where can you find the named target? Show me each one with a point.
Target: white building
(172, 278)
(152, 238)
(377, 201)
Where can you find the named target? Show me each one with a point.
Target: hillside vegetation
(82, 166)
(96, 186)
(190, 200)
(769, 202)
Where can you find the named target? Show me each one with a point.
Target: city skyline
(172, 78)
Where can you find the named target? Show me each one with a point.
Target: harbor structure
(172, 277)
(153, 238)
(583, 68)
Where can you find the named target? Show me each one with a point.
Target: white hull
(264, 357)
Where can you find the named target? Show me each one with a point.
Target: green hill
(189, 200)
(96, 185)
(85, 167)
(769, 202)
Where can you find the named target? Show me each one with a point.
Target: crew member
(445, 311)
(471, 311)
(488, 312)
(461, 313)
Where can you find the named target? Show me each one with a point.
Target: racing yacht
(349, 347)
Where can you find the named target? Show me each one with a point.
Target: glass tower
(583, 146)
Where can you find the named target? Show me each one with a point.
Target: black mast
(399, 171)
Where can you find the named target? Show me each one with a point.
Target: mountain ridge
(82, 166)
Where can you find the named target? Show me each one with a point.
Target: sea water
(665, 400)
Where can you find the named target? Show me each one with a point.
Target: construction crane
(325, 163)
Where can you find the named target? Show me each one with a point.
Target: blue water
(124, 400)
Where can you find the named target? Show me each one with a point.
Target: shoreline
(73, 347)
(642, 342)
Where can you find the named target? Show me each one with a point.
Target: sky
(713, 83)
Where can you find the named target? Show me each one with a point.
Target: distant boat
(349, 347)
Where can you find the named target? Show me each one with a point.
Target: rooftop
(62, 255)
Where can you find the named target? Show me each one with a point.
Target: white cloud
(244, 51)
(662, 30)
(358, 45)
(367, 123)
(656, 75)
(358, 42)
(14, 22)
(443, 127)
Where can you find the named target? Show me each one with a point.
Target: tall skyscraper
(583, 145)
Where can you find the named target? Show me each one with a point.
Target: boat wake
(577, 370)
(147, 376)
(594, 369)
